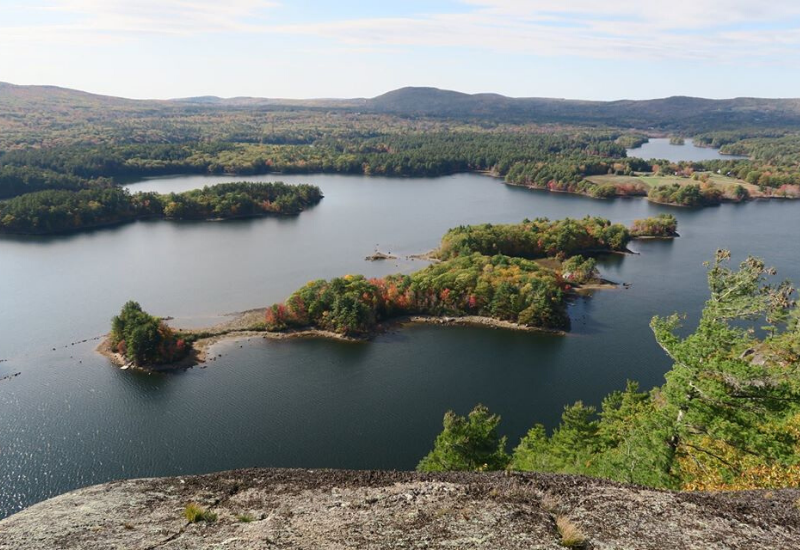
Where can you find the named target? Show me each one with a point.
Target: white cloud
(672, 14)
(704, 30)
(182, 17)
(620, 29)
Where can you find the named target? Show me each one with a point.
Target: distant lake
(72, 419)
(661, 148)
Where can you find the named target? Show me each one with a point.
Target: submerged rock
(380, 256)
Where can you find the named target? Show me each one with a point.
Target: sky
(581, 49)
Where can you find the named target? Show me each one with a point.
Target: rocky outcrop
(266, 508)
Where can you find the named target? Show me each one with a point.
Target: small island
(140, 340)
(512, 276)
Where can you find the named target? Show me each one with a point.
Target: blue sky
(583, 49)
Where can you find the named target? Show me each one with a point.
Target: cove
(661, 148)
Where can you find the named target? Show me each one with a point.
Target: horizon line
(365, 98)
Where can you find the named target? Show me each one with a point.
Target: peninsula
(512, 276)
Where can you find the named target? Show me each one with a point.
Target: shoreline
(723, 200)
(241, 327)
(233, 331)
(151, 217)
(467, 321)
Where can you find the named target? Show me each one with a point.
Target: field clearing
(650, 180)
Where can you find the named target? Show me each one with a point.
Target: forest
(726, 418)
(421, 154)
(486, 270)
(55, 139)
(63, 211)
(565, 160)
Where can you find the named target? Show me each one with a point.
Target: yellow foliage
(703, 472)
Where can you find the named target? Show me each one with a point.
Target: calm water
(71, 419)
(661, 148)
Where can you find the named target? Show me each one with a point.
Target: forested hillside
(681, 114)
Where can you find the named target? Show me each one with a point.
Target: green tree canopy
(467, 444)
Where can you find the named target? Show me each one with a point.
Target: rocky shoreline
(244, 325)
(472, 321)
(338, 509)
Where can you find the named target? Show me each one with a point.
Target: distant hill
(687, 114)
(12, 95)
(271, 102)
(656, 113)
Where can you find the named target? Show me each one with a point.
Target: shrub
(195, 513)
(571, 536)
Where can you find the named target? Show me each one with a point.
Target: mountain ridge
(685, 113)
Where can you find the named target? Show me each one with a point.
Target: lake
(661, 148)
(72, 419)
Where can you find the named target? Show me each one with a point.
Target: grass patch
(571, 536)
(245, 518)
(195, 513)
(649, 179)
(613, 179)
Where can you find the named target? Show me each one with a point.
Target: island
(140, 340)
(512, 276)
(65, 211)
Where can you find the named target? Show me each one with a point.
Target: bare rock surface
(327, 509)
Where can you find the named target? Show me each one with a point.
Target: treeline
(727, 417)
(64, 211)
(20, 179)
(419, 154)
(561, 162)
(691, 195)
(777, 177)
(774, 156)
(718, 139)
(488, 271)
(769, 177)
(569, 175)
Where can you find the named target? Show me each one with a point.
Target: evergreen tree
(467, 444)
